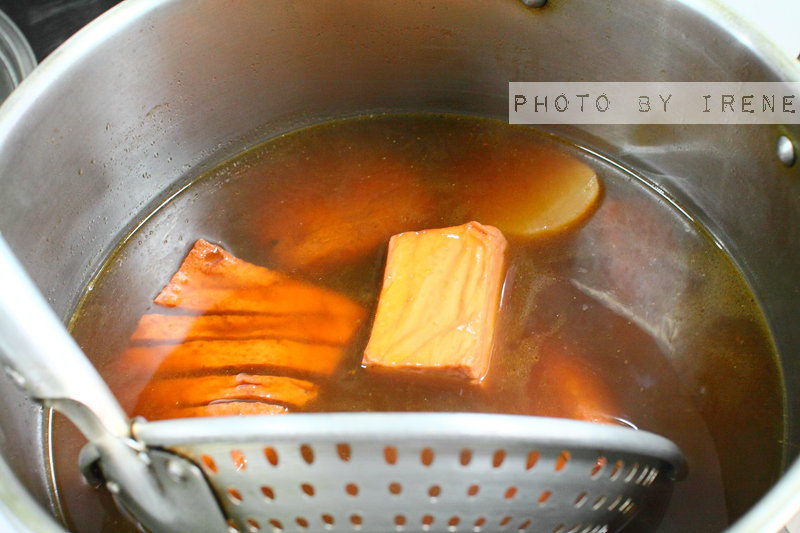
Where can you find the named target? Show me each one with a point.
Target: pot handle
(42, 357)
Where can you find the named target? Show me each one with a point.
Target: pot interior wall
(139, 104)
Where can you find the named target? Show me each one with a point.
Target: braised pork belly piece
(234, 337)
(437, 307)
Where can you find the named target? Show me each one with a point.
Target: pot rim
(778, 58)
(19, 509)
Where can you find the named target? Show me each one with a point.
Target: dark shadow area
(48, 23)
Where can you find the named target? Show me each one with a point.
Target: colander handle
(41, 356)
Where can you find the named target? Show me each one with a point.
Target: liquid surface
(630, 316)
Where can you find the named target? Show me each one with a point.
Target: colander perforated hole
(308, 489)
(308, 453)
(625, 507)
(523, 526)
(427, 522)
(504, 522)
(209, 463)
(452, 524)
(253, 525)
(599, 502)
(234, 496)
(643, 475)
(574, 529)
(232, 527)
(268, 493)
(479, 524)
(559, 528)
(597, 469)
(426, 456)
(651, 477)
(615, 503)
(632, 472)
(356, 520)
(395, 488)
(533, 458)
(580, 500)
(390, 454)
(498, 458)
(510, 493)
(473, 490)
(271, 455)
(399, 522)
(277, 527)
(563, 459)
(465, 456)
(617, 470)
(351, 489)
(434, 492)
(344, 451)
(302, 523)
(239, 460)
(543, 497)
(327, 521)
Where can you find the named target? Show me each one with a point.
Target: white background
(778, 19)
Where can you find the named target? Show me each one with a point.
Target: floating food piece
(316, 329)
(220, 356)
(285, 297)
(437, 307)
(562, 386)
(532, 190)
(209, 266)
(212, 281)
(372, 198)
(238, 317)
(228, 408)
(168, 398)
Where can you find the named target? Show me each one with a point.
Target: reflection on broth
(621, 311)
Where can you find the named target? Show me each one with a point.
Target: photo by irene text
(654, 103)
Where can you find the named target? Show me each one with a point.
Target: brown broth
(632, 316)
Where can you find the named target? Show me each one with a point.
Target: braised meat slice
(439, 300)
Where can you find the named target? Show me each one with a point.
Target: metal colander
(432, 472)
(376, 472)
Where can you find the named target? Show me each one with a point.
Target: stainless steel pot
(155, 91)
